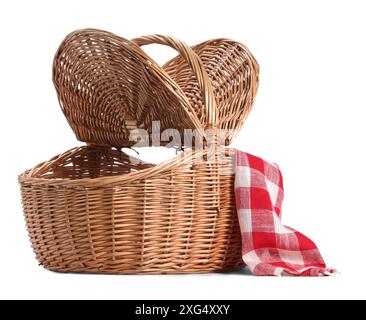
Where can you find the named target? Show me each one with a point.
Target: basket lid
(234, 74)
(108, 86)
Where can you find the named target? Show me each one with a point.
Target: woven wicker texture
(234, 73)
(163, 221)
(96, 209)
(108, 86)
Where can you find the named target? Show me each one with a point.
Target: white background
(309, 117)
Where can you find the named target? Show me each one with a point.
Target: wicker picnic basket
(95, 208)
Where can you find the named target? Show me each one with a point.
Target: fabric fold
(269, 247)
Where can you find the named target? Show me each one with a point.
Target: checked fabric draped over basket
(95, 208)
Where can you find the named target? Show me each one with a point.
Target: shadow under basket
(97, 209)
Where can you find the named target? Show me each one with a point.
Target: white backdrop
(309, 117)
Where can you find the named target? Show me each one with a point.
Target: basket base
(199, 270)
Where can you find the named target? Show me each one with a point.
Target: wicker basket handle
(196, 64)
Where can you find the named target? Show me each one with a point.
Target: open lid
(108, 86)
(234, 75)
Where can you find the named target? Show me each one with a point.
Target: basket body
(175, 220)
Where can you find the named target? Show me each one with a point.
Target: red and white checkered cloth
(270, 248)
